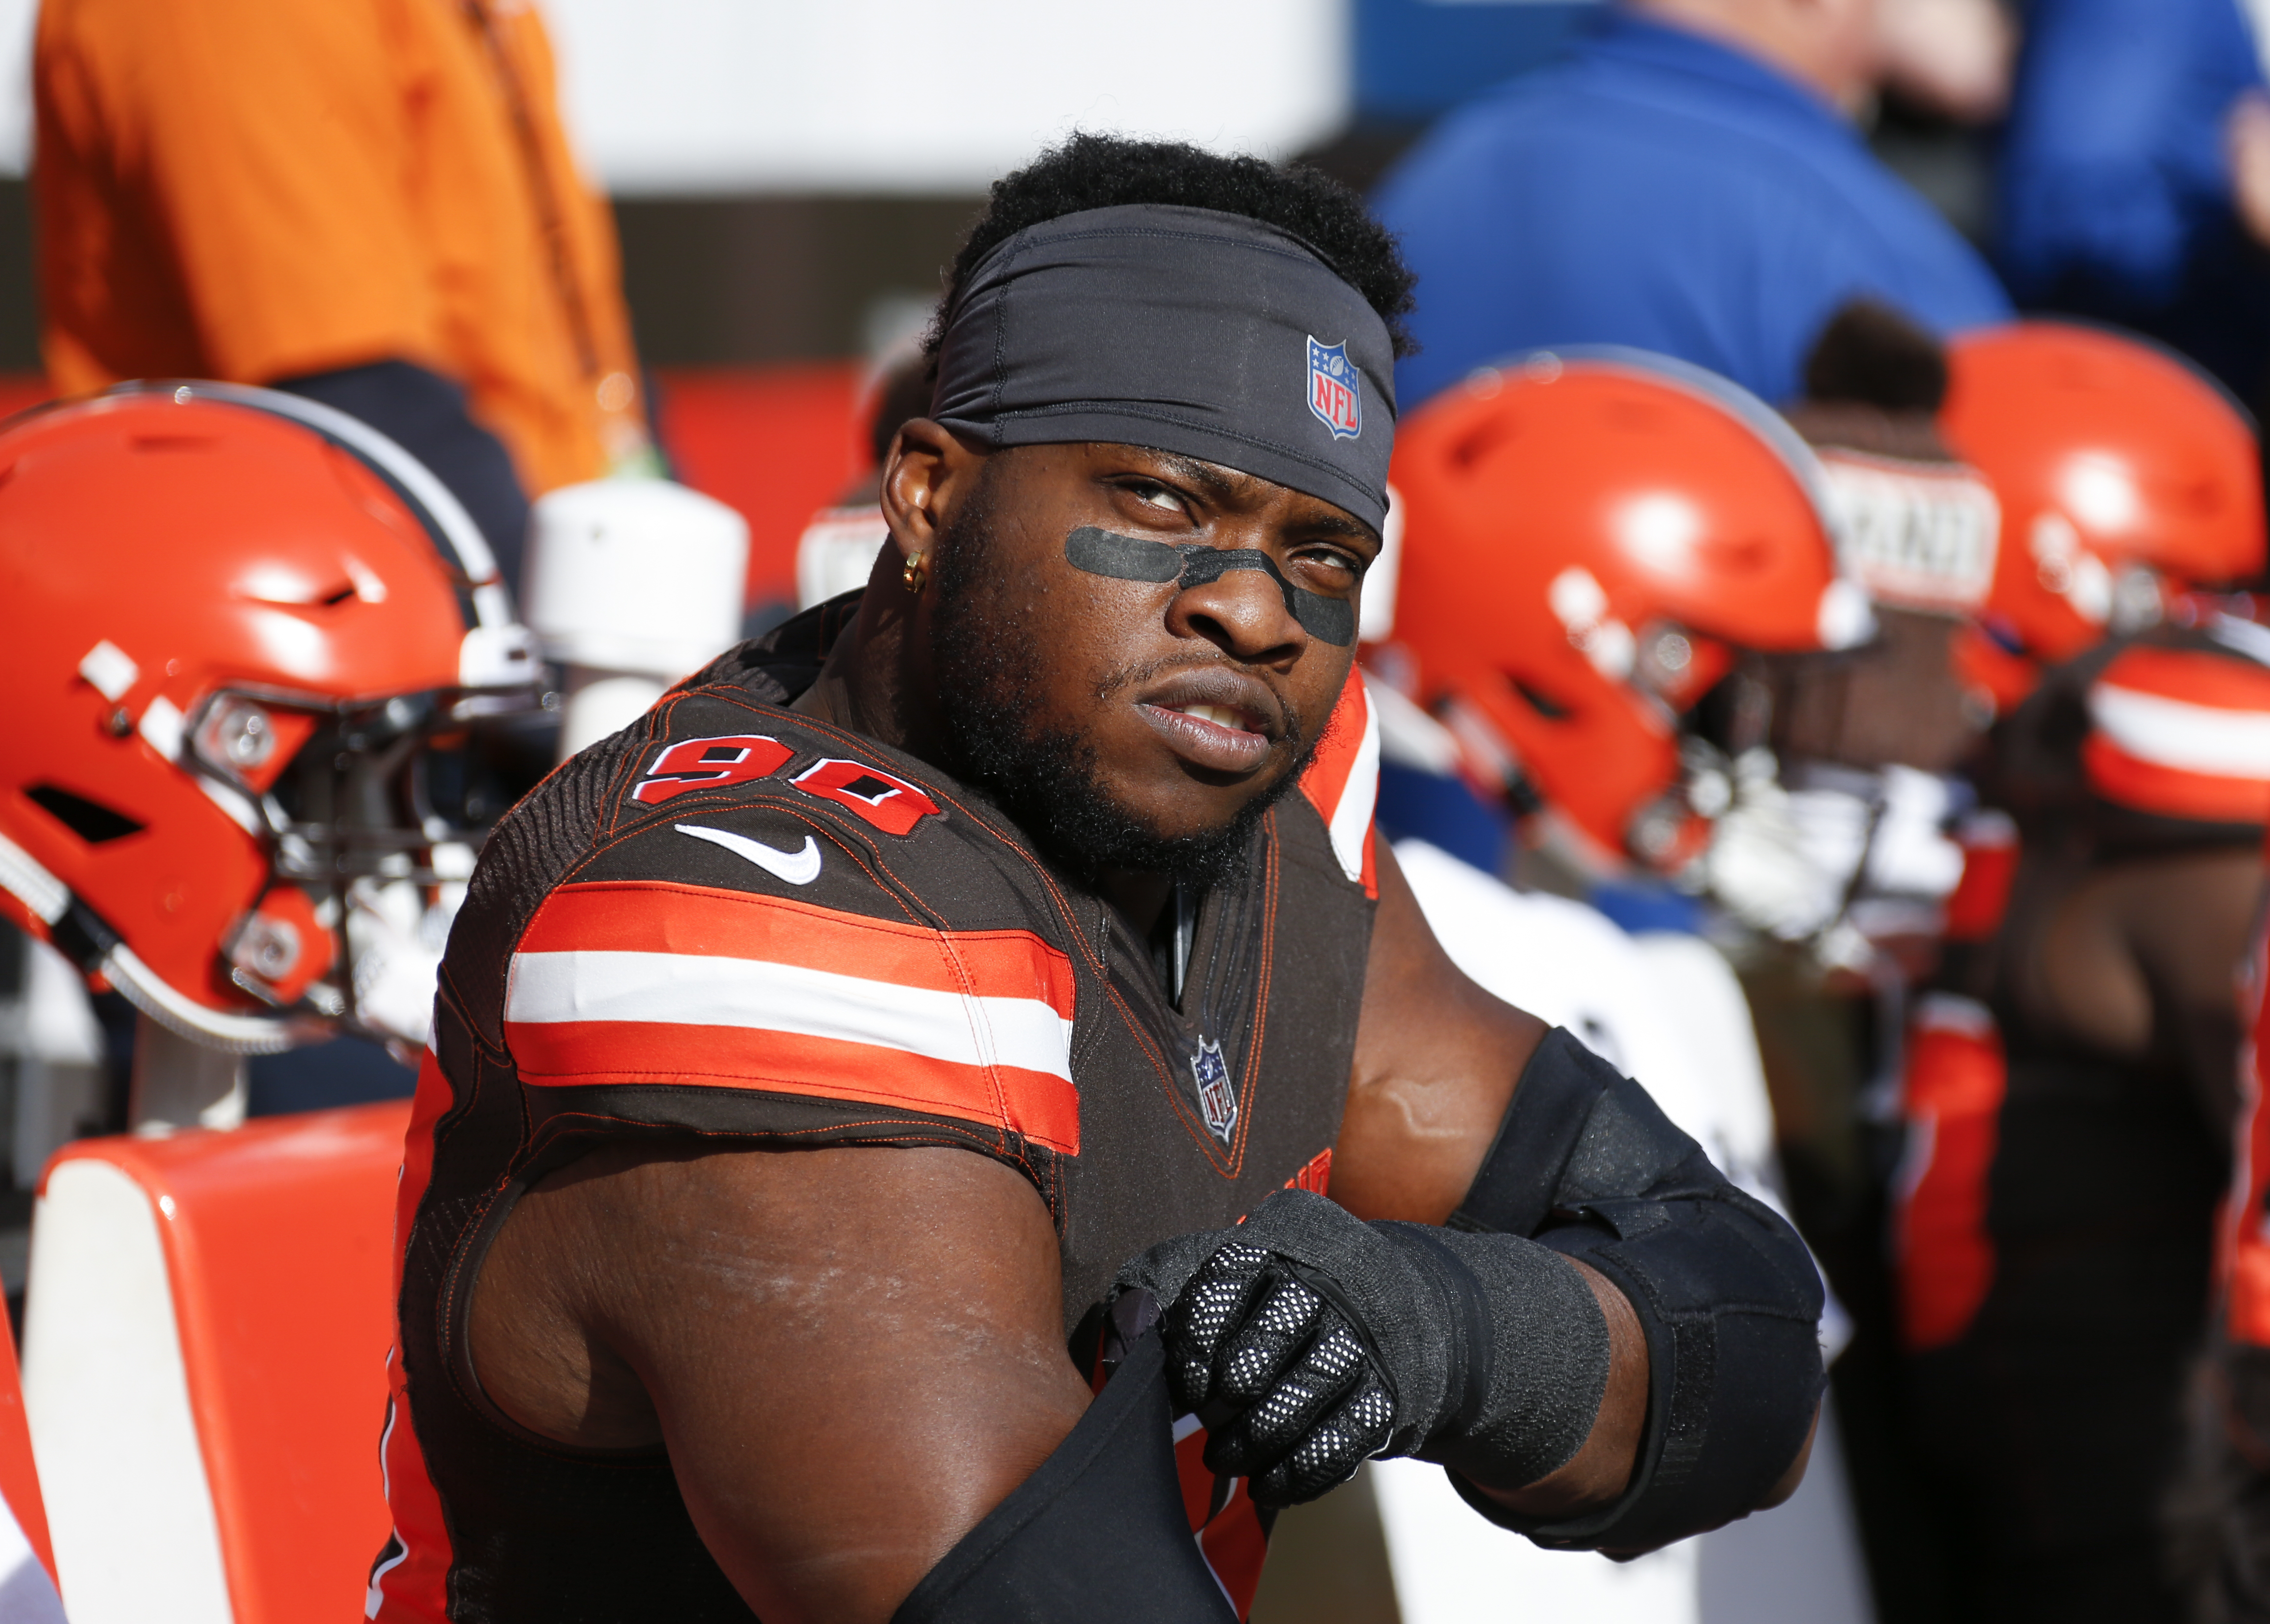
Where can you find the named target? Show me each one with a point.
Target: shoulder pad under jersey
(767, 903)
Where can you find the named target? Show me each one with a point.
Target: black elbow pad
(1725, 1292)
(1097, 1535)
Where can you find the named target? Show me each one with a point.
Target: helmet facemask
(371, 816)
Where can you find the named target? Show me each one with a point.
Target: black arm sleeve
(1727, 1296)
(1097, 1535)
(425, 414)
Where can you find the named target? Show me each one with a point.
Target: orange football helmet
(2126, 477)
(1591, 537)
(230, 620)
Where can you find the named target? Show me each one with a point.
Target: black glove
(1306, 1340)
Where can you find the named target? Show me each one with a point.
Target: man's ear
(926, 474)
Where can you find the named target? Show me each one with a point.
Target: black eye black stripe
(1123, 558)
(1331, 618)
(1131, 558)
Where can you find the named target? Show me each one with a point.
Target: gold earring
(915, 576)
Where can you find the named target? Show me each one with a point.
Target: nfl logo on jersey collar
(1334, 393)
(1217, 1100)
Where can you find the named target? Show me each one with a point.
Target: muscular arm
(1435, 1062)
(851, 1356)
(1435, 1065)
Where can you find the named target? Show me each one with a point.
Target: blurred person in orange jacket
(370, 203)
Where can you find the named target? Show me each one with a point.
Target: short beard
(990, 690)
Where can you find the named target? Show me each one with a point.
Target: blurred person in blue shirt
(1686, 180)
(2116, 194)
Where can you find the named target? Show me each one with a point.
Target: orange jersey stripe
(410, 1584)
(1955, 1085)
(1043, 1107)
(664, 917)
(2218, 681)
(2172, 791)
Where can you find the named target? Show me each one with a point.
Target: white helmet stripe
(27, 880)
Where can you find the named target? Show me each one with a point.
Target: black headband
(1206, 334)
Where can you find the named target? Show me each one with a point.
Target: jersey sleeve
(2181, 733)
(741, 969)
(1342, 781)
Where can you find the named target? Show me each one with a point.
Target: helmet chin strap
(235, 1034)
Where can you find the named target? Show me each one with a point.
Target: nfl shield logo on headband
(1333, 394)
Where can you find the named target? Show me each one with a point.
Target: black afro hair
(1101, 172)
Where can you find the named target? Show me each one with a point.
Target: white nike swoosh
(798, 867)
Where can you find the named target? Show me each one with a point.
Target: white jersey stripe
(1352, 818)
(2188, 738)
(689, 989)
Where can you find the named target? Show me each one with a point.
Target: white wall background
(692, 96)
(677, 96)
(15, 19)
